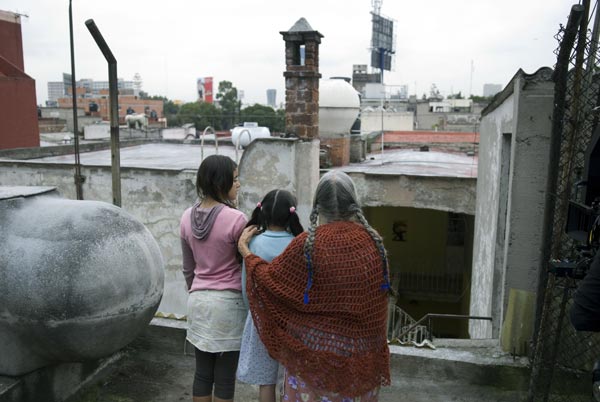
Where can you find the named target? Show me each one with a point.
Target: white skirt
(216, 320)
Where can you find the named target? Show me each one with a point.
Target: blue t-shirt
(267, 246)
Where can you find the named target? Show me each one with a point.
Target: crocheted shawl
(337, 341)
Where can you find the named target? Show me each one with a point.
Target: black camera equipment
(583, 217)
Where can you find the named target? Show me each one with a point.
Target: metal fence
(562, 358)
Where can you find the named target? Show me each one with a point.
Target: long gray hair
(336, 200)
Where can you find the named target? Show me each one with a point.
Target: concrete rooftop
(157, 368)
(187, 156)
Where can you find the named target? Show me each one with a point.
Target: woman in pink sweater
(216, 312)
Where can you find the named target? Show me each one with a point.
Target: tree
(481, 99)
(265, 116)
(230, 105)
(456, 96)
(280, 122)
(170, 111)
(202, 114)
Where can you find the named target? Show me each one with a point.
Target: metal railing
(423, 282)
(212, 130)
(406, 333)
(398, 321)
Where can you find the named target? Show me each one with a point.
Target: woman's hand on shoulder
(245, 238)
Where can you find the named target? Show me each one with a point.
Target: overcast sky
(172, 43)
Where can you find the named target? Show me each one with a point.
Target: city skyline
(459, 46)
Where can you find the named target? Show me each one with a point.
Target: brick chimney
(302, 80)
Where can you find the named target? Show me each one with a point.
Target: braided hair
(336, 200)
(278, 208)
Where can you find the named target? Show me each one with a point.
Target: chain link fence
(562, 358)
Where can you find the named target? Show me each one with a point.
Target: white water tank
(248, 133)
(339, 106)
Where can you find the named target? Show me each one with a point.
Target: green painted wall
(425, 250)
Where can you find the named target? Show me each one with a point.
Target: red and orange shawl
(337, 341)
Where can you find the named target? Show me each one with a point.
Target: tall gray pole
(79, 179)
(114, 110)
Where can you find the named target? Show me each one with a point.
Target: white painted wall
(96, 131)
(510, 201)
(371, 121)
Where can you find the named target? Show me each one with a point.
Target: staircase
(399, 321)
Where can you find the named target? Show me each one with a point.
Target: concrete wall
(158, 197)
(392, 121)
(279, 163)
(441, 193)
(513, 162)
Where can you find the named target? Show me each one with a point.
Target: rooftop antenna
(471, 79)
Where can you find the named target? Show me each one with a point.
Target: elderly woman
(320, 308)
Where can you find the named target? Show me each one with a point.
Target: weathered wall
(279, 163)
(512, 172)
(441, 193)
(493, 127)
(158, 197)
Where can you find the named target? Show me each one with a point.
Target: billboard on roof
(382, 42)
(205, 89)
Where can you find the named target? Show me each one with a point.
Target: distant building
(272, 98)
(491, 89)
(86, 87)
(99, 105)
(360, 77)
(56, 90)
(401, 93)
(457, 115)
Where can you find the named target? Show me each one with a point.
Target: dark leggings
(218, 369)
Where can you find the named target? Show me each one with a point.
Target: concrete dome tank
(339, 106)
(78, 280)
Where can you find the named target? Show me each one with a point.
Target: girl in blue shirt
(278, 223)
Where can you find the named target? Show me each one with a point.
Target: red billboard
(205, 89)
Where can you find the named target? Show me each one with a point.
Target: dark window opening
(298, 55)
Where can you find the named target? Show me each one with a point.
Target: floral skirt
(296, 390)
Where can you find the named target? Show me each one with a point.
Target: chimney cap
(301, 27)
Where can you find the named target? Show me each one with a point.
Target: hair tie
(292, 210)
(259, 205)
